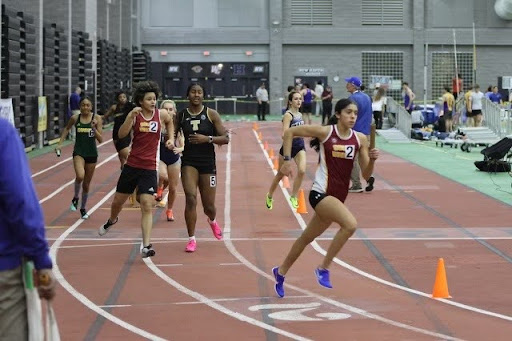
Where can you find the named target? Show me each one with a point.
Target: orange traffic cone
(260, 136)
(271, 153)
(265, 145)
(276, 164)
(286, 182)
(255, 126)
(440, 285)
(302, 209)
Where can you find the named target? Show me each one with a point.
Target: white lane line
(347, 266)
(212, 304)
(230, 264)
(177, 264)
(181, 240)
(254, 298)
(61, 188)
(352, 309)
(63, 161)
(79, 296)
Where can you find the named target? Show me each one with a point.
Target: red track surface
(224, 290)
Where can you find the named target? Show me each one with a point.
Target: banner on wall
(42, 114)
(6, 110)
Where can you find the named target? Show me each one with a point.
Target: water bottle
(58, 152)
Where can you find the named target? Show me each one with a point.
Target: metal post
(107, 37)
(70, 30)
(456, 68)
(474, 55)
(425, 73)
(40, 134)
(120, 26)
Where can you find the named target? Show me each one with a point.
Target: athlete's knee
(146, 205)
(79, 177)
(351, 225)
(191, 199)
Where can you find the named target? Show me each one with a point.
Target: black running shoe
(104, 229)
(369, 187)
(84, 214)
(147, 251)
(74, 204)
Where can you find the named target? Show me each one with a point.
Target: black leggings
(327, 111)
(377, 116)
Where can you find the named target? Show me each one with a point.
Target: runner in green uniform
(85, 154)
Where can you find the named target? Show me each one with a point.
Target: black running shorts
(315, 197)
(88, 159)
(144, 180)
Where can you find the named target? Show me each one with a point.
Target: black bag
(493, 166)
(493, 156)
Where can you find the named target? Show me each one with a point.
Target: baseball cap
(377, 85)
(355, 81)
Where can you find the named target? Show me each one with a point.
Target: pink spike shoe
(217, 232)
(191, 246)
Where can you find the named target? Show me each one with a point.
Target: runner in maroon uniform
(140, 170)
(338, 145)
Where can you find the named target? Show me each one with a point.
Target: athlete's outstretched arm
(367, 157)
(319, 132)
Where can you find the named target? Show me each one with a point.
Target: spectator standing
(495, 96)
(262, 97)
(448, 106)
(457, 86)
(327, 97)
(409, 97)
(362, 125)
(319, 90)
(379, 106)
(476, 106)
(22, 235)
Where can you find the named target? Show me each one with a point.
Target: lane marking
(253, 298)
(79, 296)
(212, 304)
(241, 258)
(294, 312)
(230, 264)
(61, 188)
(347, 266)
(63, 161)
(169, 264)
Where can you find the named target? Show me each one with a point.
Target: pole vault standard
(474, 55)
(456, 68)
(425, 74)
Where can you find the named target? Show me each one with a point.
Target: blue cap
(354, 80)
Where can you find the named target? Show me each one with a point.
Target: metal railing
(496, 118)
(403, 118)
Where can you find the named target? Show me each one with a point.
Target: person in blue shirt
(22, 236)
(363, 125)
(495, 96)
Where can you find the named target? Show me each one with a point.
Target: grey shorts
(13, 306)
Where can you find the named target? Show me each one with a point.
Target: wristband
(210, 139)
(287, 158)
